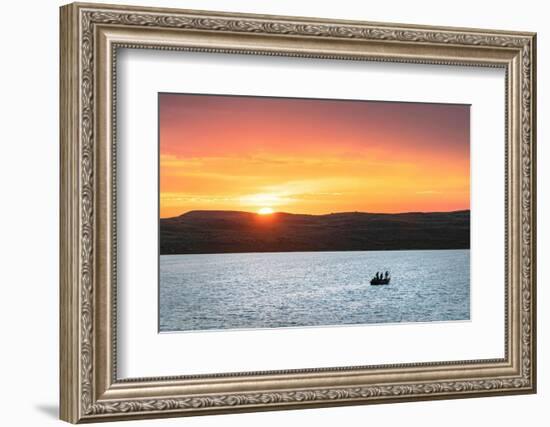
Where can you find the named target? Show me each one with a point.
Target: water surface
(274, 290)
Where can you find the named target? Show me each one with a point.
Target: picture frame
(91, 36)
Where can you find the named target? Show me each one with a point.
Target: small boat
(380, 280)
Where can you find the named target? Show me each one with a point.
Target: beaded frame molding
(90, 37)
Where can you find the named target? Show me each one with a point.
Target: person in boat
(386, 275)
(376, 276)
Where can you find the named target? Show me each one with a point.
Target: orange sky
(311, 156)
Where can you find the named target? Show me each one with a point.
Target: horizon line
(325, 214)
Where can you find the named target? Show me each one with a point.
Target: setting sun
(265, 211)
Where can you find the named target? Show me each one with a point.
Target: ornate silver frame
(90, 36)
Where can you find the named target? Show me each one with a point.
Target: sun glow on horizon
(265, 211)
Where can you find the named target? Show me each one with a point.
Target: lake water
(274, 290)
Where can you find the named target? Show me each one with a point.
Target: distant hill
(233, 231)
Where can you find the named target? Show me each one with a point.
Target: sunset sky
(311, 156)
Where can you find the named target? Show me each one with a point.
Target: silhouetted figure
(377, 276)
(387, 275)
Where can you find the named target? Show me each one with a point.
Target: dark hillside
(233, 231)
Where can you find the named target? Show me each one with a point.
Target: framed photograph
(265, 212)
